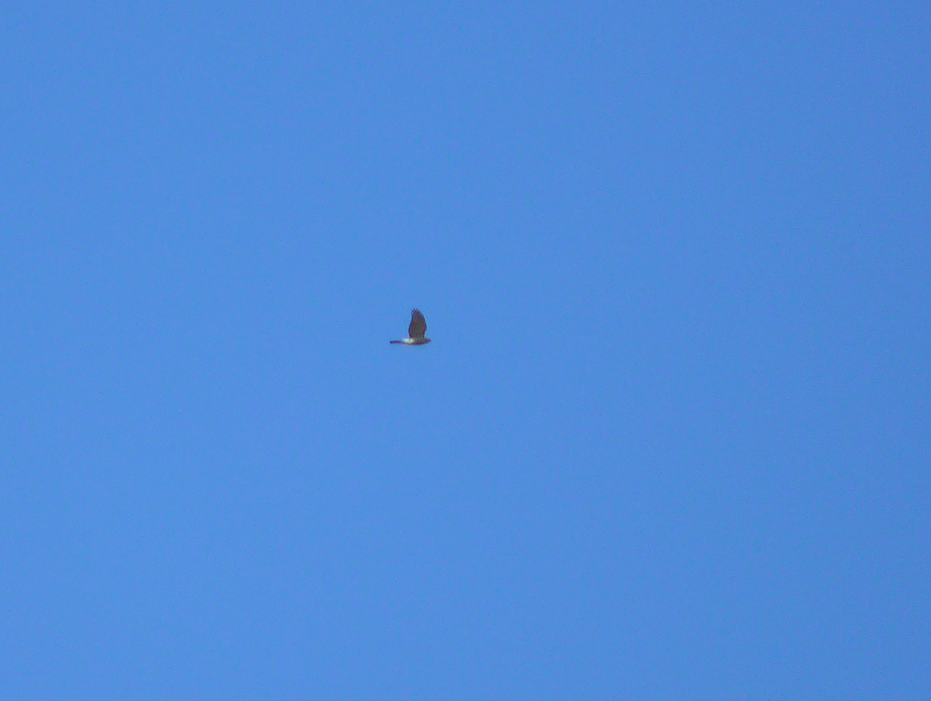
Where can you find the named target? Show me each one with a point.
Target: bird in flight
(415, 331)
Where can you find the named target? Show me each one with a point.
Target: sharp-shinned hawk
(416, 331)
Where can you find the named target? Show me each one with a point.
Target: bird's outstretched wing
(418, 327)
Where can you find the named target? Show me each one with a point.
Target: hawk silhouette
(415, 331)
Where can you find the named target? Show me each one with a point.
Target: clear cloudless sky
(671, 438)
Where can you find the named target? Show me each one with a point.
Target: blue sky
(669, 441)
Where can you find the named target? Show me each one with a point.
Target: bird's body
(412, 341)
(416, 332)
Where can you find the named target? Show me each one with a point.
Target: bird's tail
(396, 341)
